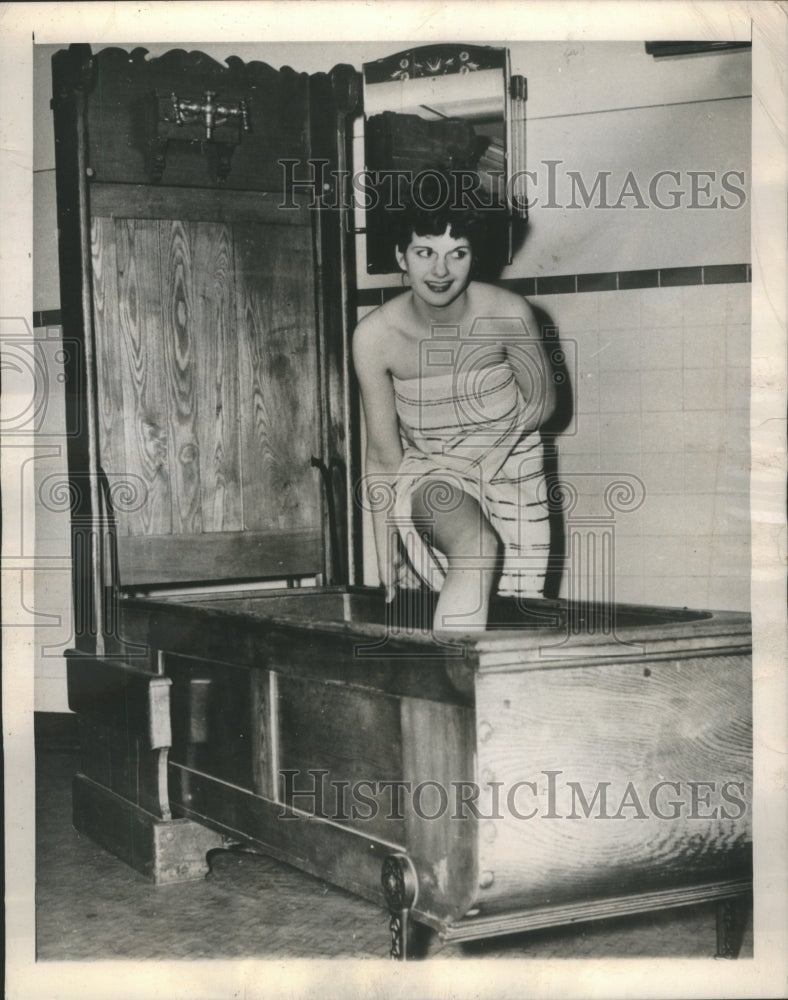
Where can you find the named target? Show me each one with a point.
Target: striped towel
(466, 428)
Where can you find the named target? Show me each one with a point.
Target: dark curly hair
(482, 228)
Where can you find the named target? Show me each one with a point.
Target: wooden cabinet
(210, 301)
(213, 427)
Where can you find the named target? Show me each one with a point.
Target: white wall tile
(704, 429)
(587, 392)
(737, 473)
(704, 389)
(625, 464)
(737, 388)
(619, 432)
(663, 514)
(699, 515)
(582, 435)
(578, 462)
(582, 351)
(628, 555)
(683, 592)
(661, 390)
(737, 430)
(704, 304)
(619, 310)
(619, 350)
(704, 471)
(661, 307)
(663, 471)
(731, 554)
(729, 593)
(576, 314)
(619, 391)
(662, 431)
(629, 589)
(704, 346)
(737, 345)
(664, 554)
(661, 347)
(698, 555)
(738, 303)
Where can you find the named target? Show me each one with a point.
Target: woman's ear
(400, 259)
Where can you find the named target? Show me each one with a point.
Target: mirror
(442, 121)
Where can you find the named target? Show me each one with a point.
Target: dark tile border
(561, 284)
(597, 282)
(725, 274)
(603, 281)
(670, 277)
(370, 296)
(638, 279)
(521, 286)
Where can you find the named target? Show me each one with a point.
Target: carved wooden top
(126, 145)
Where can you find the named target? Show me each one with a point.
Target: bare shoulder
(504, 304)
(372, 336)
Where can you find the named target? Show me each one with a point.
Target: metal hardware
(215, 127)
(213, 115)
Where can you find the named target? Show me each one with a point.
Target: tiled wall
(660, 383)
(661, 391)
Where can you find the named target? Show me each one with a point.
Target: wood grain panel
(264, 733)
(218, 555)
(216, 377)
(437, 752)
(278, 376)
(143, 201)
(144, 374)
(620, 730)
(355, 736)
(109, 357)
(181, 341)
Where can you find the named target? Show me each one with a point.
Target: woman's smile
(438, 267)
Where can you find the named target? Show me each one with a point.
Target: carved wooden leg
(730, 924)
(400, 886)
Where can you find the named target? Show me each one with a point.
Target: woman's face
(438, 267)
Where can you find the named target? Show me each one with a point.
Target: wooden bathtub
(214, 441)
(567, 765)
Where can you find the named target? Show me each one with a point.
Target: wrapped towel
(465, 428)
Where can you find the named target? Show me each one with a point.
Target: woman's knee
(455, 521)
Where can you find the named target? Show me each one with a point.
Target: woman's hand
(396, 572)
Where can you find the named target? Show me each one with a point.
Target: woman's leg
(455, 524)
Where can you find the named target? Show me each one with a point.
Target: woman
(455, 383)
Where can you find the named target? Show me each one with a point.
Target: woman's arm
(384, 448)
(533, 371)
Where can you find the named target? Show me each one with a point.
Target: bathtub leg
(730, 925)
(399, 887)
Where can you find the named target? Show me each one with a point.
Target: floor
(89, 905)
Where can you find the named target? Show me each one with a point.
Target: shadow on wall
(551, 431)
